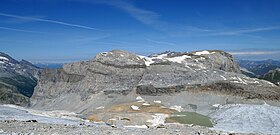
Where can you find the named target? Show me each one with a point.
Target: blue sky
(71, 30)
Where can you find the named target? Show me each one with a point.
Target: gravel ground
(33, 128)
(248, 118)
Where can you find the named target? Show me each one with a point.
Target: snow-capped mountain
(17, 80)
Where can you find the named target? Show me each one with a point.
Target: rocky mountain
(248, 73)
(17, 80)
(259, 68)
(119, 76)
(273, 76)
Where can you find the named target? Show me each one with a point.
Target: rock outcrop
(17, 80)
(272, 76)
(120, 72)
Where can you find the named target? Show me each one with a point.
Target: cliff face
(17, 80)
(272, 76)
(112, 72)
(121, 72)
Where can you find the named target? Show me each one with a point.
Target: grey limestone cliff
(120, 72)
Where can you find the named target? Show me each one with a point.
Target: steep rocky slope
(121, 72)
(272, 76)
(259, 68)
(17, 80)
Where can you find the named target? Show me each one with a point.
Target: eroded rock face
(112, 72)
(17, 80)
(120, 72)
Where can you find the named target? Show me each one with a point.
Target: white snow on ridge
(238, 80)
(216, 105)
(146, 104)
(223, 77)
(140, 99)
(148, 61)
(203, 52)
(161, 56)
(179, 59)
(4, 58)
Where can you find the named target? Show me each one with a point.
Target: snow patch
(179, 59)
(148, 61)
(146, 104)
(177, 108)
(161, 56)
(4, 58)
(216, 105)
(134, 107)
(158, 119)
(157, 101)
(223, 77)
(100, 107)
(238, 80)
(203, 53)
(136, 126)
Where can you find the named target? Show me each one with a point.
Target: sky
(73, 30)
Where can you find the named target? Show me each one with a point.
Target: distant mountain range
(48, 65)
(259, 67)
(17, 80)
(265, 69)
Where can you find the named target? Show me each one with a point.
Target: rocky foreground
(228, 119)
(31, 128)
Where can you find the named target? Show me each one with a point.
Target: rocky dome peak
(119, 58)
(208, 59)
